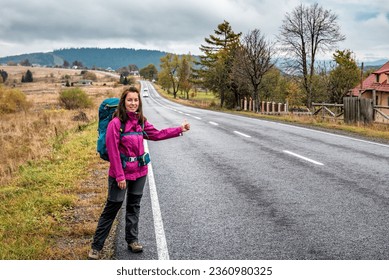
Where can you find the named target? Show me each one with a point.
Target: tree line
(236, 66)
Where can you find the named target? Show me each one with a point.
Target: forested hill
(91, 57)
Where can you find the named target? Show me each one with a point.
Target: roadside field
(52, 182)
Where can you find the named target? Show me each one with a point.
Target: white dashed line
(304, 158)
(213, 123)
(242, 134)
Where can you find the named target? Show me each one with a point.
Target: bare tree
(254, 61)
(304, 33)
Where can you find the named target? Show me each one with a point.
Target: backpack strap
(144, 132)
(122, 127)
(122, 133)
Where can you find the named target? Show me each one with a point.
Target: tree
(27, 78)
(149, 72)
(25, 62)
(185, 73)
(304, 33)
(133, 68)
(273, 86)
(3, 76)
(77, 64)
(254, 61)
(65, 64)
(217, 62)
(169, 70)
(344, 77)
(125, 80)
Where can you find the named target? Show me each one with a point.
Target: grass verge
(39, 205)
(376, 132)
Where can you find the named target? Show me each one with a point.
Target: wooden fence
(326, 109)
(358, 110)
(353, 110)
(247, 104)
(381, 113)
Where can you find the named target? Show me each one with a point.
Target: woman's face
(132, 101)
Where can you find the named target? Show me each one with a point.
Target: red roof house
(376, 84)
(378, 81)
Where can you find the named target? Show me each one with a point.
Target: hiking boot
(135, 247)
(94, 254)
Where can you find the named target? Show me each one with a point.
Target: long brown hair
(121, 111)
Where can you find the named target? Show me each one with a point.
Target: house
(376, 87)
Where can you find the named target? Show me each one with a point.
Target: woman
(128, 167)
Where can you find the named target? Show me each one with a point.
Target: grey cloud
(166, 25)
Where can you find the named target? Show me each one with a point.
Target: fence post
(374, 102)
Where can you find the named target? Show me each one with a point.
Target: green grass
(33, 205)
(200, 99)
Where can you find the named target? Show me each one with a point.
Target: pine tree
(216, 63)
(28, 77)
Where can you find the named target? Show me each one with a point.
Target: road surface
(242, 188)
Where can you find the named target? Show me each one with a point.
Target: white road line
(304, 158)
(213, 123)
(163, 253)
(242, 134)
(197, 118)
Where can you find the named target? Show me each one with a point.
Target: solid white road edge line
(163, 253)
(242, 134)
(304, 158)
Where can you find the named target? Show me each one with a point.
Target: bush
(89, 76)
(12, 101)
(3, 76)
(27, 78)
(74, 98)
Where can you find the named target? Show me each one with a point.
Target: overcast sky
(177, 26)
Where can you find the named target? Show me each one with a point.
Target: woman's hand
(122, 184)
(185, 126)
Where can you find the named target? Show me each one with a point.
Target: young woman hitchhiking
(128, 167)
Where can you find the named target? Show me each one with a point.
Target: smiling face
(132, 101)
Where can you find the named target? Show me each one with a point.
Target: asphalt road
(242, 188)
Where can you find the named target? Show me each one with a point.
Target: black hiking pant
(113, 204)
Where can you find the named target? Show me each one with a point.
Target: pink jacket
(132, 146)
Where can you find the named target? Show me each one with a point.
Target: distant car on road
(145, 92)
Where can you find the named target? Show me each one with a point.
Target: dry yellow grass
(32, 136)
(25, 136)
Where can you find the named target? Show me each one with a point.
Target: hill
(92, 57)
